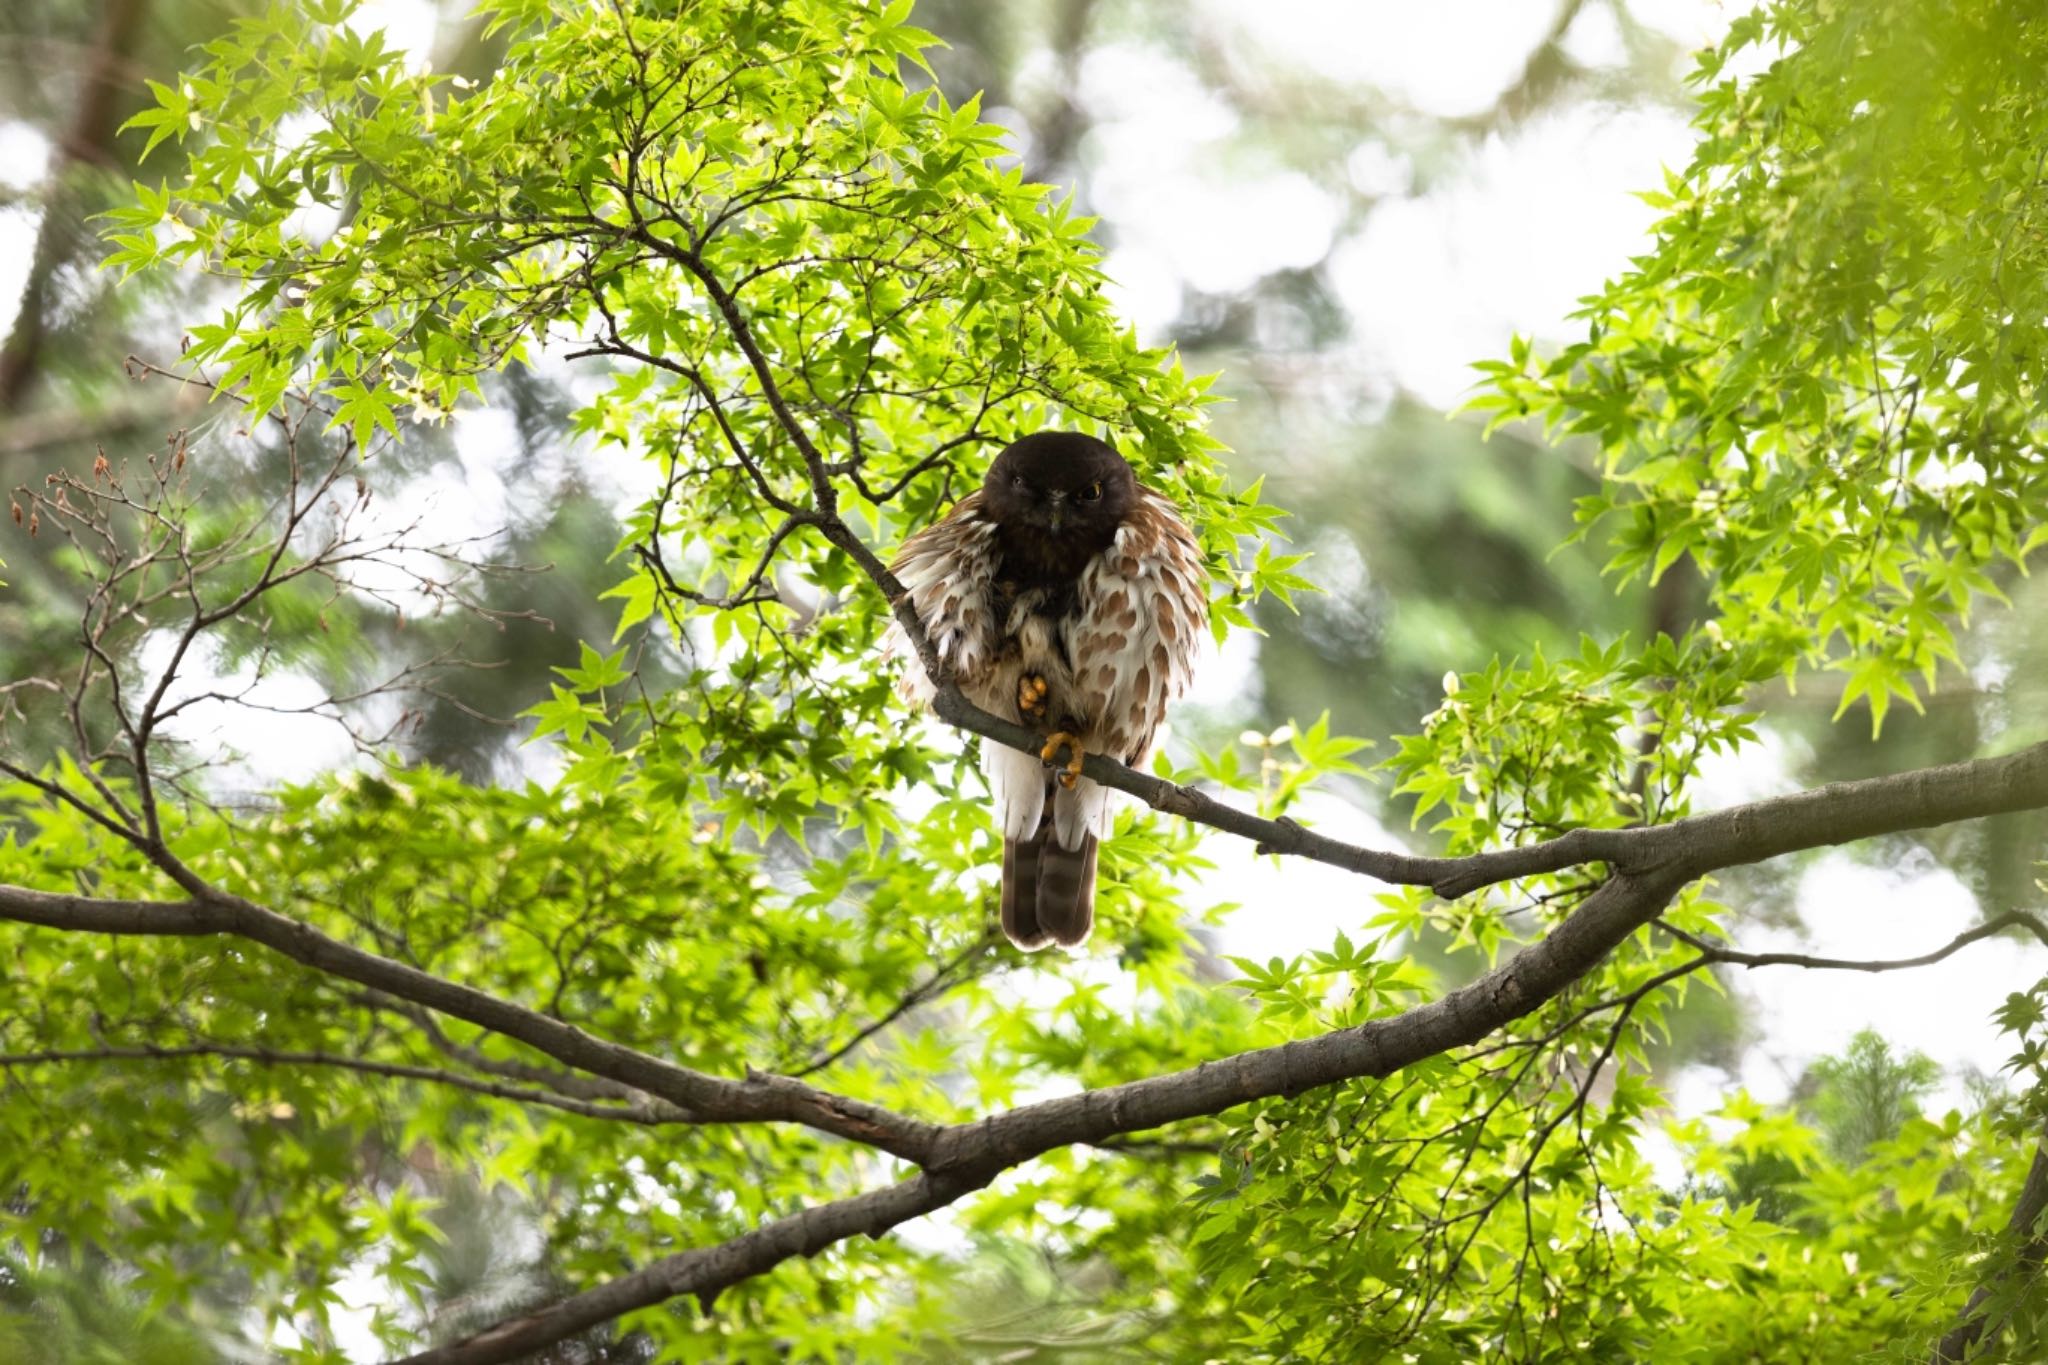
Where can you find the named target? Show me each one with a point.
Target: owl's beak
(1057, 515)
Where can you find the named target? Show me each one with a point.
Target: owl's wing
(947, 570)
(1144, 617)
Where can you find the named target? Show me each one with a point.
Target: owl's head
(1062, 485)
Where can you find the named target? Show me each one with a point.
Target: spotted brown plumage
(1064, 595)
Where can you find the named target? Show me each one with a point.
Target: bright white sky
(1528, 224)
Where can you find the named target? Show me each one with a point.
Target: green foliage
(1821, 384)
(58, 1313)
(811, 288)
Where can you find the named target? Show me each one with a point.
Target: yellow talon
(1076, 755)
(1031, 690)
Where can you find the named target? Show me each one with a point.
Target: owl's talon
(1070, 771)
(1031, 698)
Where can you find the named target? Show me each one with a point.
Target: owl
(1065, 595)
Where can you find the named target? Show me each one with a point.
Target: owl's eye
(1017, 482)
(1090, 493)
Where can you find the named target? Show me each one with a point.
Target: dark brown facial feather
(1057, 499)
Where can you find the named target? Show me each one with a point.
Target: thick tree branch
(705, 1098)
(1649, 866)
(970, 1155)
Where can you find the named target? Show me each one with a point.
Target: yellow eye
(1091, 492)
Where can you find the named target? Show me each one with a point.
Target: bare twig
(1997, 924)
(942, 979)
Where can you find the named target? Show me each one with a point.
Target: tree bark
(1971, 1326)
(87, 141)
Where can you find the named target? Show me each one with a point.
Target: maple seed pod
(35, 522)
(17, 510)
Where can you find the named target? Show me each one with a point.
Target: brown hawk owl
(1066, 595)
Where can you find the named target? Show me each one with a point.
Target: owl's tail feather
(1048, 891)
(1020, 893)
(1066, 891)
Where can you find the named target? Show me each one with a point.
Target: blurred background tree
(70, 76)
